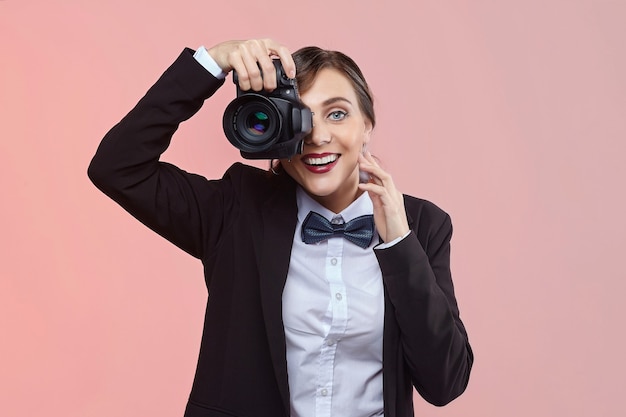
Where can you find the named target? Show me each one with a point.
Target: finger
(237, 64)
(382, 175)
(222, 53)
(377, 190)
(367, 158)
(382, 185)
(372, 168)
(269, 73)
(262, 53)
(253, 72)
(392, 208)
(370, 158)
(386, 198)
(282, 52)
(373, 162)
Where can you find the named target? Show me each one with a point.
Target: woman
(297, 325)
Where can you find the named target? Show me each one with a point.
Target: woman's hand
(251, 59)
(389, 212)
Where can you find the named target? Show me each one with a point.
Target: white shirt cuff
(393, 242)
(207, 61)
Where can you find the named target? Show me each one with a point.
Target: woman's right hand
(251, 59)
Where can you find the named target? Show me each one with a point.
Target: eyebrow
(334, 100)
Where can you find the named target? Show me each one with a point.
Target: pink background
(509, 114)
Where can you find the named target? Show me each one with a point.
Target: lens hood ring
(252, 123)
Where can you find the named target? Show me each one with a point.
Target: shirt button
(330, 342)
(324, 392)
(333, 261)
(338, 296)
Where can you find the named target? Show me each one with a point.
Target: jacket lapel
(393, 362)
(278, 218)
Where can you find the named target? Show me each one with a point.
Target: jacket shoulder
(423, 211)
(255, 183)
(431, 224)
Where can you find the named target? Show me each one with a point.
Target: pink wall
(509, 114)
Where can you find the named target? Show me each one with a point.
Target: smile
(321, 161)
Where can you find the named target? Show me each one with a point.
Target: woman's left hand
(389, 212)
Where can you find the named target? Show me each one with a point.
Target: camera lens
(258, 123)
(252, 123)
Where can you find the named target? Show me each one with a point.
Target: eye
(337, 115)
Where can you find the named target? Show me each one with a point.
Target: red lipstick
(320, 163)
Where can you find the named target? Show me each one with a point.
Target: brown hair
(310, 60)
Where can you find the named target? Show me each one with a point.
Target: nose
(320, 134)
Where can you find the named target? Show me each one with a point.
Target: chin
(325, 188)
(318, 191)
(324, 185)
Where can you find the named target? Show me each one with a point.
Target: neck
(335, 203)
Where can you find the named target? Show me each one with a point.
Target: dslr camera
(268, 125)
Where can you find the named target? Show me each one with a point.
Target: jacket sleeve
(126, 166)
(417, 277)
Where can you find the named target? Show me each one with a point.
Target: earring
(272, 170)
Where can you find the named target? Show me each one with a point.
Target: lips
(320, 163)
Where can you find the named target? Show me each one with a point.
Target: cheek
(349, 139)
(357, 143)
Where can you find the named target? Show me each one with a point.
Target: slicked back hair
(310, 60)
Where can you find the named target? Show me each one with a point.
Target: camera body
(268, 125)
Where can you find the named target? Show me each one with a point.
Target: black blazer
(242, 229)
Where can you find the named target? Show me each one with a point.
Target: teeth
(321, 161)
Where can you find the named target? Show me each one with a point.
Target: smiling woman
(302, 321)
(328, 168)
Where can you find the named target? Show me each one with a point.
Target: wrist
(207, 60)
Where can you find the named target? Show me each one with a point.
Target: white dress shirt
(333, 311)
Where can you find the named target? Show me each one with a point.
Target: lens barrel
(252, 123)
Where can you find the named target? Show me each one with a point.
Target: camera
(268, 125)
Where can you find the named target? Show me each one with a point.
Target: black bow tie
(317, 228)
